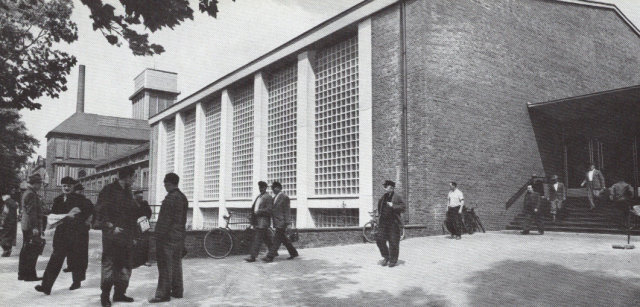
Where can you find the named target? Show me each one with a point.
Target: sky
(200, 51)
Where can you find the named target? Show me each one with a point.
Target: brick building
(485, 93)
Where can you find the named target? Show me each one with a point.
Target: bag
(36, 245)
(143, 224)
(293, 235)
(140, 252)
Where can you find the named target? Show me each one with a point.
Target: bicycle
(370, 229)
(470, 221)
(219, 242)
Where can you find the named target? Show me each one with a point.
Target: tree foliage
(29, 65)
(16, 146)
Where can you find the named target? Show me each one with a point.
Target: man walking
(67, 234)
(556, 195)
(79, 261)
(455, 204)
(532, 211)
(31, 226)
(260, 220)
(8, 221)
(170, 233)
(390, 207)
(117, 216)
(281, 220)
(594, 180)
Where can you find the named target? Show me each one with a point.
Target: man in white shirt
(556, 195)
(455, 203)
(260, 220)
(594, 180)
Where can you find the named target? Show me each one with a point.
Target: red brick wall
(472, 67)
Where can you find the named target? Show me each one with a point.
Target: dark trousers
(280, 237)
(454, 221)
(28, 258)
(623, 207)
(55, 265)
(260, 235)
(389, 233)
(533, 216)
(169, 257)
(116, 266)
(78, 261)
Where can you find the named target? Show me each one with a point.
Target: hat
(389, 183)
(554, 177)
(68, 180)
(35, 179)
(262, 184)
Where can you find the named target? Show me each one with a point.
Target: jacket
(281, 211)
(115, 205)
(560, 194)
(598, 180)
(262, 218)
(390, 215)
(9, 214)
(621, 191)
(172, 218)
(70, 229)
(32, 207)
(531, 201)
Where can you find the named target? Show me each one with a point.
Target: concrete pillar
(365, 94)
(226, 151)
(305, 137)
(160, 164)
(260, 130)
(179, 145)
(198, 180)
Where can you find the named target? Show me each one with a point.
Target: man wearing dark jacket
(31, 229)
(80, 260)
(67, 234)
(390, 206)
(280, 214)
(532, 211)
(117, 216)
(170, 232)
(260, 220)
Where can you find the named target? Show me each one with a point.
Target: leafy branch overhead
(152, 15)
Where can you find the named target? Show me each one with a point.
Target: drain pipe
(403, 74)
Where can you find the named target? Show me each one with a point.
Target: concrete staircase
(604, 219)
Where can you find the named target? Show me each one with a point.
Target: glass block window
(189, 148)
(281, 158)
(336, 119)
(212, 151)
(239, 218)
(189, 224)
(210, 217)
(171, 138)
(325, 218)
(242, 166)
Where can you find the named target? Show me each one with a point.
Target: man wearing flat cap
(31, 221)
(390, 207)
(556, 195)
(67, 234)
(260, 220)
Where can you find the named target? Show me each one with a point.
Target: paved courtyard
(500, 268)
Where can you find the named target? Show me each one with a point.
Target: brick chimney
(80, 100)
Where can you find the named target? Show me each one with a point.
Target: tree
(16, 146)
(29, 65)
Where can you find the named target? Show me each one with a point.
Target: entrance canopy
(621, 105)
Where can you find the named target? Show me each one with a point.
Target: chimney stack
(80, 100)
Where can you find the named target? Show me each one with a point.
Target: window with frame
(337, 120)
(86, 149)
(60, 148)
(74, 149)
(242, 157)
(212, 150)
(189, 154)
(282, 120)
(171, 138)
(210, 218)
(101, 150)
(335, 218)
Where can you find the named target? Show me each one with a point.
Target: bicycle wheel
(369, 231)
(478, 223)
(401, 233)
(218, 243)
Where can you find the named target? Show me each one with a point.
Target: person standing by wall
(532, 211)
(170, 232)
(260, 221)
(31, 225)
(8, 221)
(281, 220)
(455, 203)
(390, 207)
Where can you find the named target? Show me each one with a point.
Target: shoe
(6, 253)
(40, 288)
(176, 296)
(122, 298)
(293, 256)
(104, 300)
(66, 270)
(250, 259)
(458, 237)
(158, 300)
(267, 259)
(524, 232)
(33, 278)
(383, 262)
(75, 285)
(392, 264)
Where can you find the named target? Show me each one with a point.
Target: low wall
(309, 237)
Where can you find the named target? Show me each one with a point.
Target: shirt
(258, 201)
(455, 198)
(590, 175)
(555, 186)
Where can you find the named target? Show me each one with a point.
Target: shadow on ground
(529, 283)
